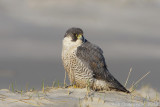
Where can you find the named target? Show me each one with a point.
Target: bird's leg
(72, 80)
(72, 84)
(68, 86)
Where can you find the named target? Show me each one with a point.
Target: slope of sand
(74, 97)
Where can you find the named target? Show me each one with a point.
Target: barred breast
(83, 75)
(78, 72)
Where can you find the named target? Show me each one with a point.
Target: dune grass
(57, 84)
(35, 97)
(134, 85)
(128, 77)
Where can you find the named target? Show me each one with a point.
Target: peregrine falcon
(85, 64)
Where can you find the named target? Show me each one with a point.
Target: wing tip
(124, 90)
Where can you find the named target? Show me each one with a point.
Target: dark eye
(75, 35)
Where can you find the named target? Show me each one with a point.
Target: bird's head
(74, 35)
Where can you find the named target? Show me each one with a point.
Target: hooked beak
(80, 36)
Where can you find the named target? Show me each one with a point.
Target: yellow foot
(72, 86)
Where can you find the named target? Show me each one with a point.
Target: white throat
(69, 44)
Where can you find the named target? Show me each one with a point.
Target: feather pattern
(92, 55)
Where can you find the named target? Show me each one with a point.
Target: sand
(74, 97)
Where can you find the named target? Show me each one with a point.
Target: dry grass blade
(128, 77)
(43, 88)
(65, 79)
(27, 87)
(139, 80)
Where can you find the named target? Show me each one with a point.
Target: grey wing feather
(93, 56)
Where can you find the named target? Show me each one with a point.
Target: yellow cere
(79, 36)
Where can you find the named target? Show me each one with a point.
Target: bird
(85, 64)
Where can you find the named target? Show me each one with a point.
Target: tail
(115, 85)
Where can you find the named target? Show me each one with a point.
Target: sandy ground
(74, 97)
